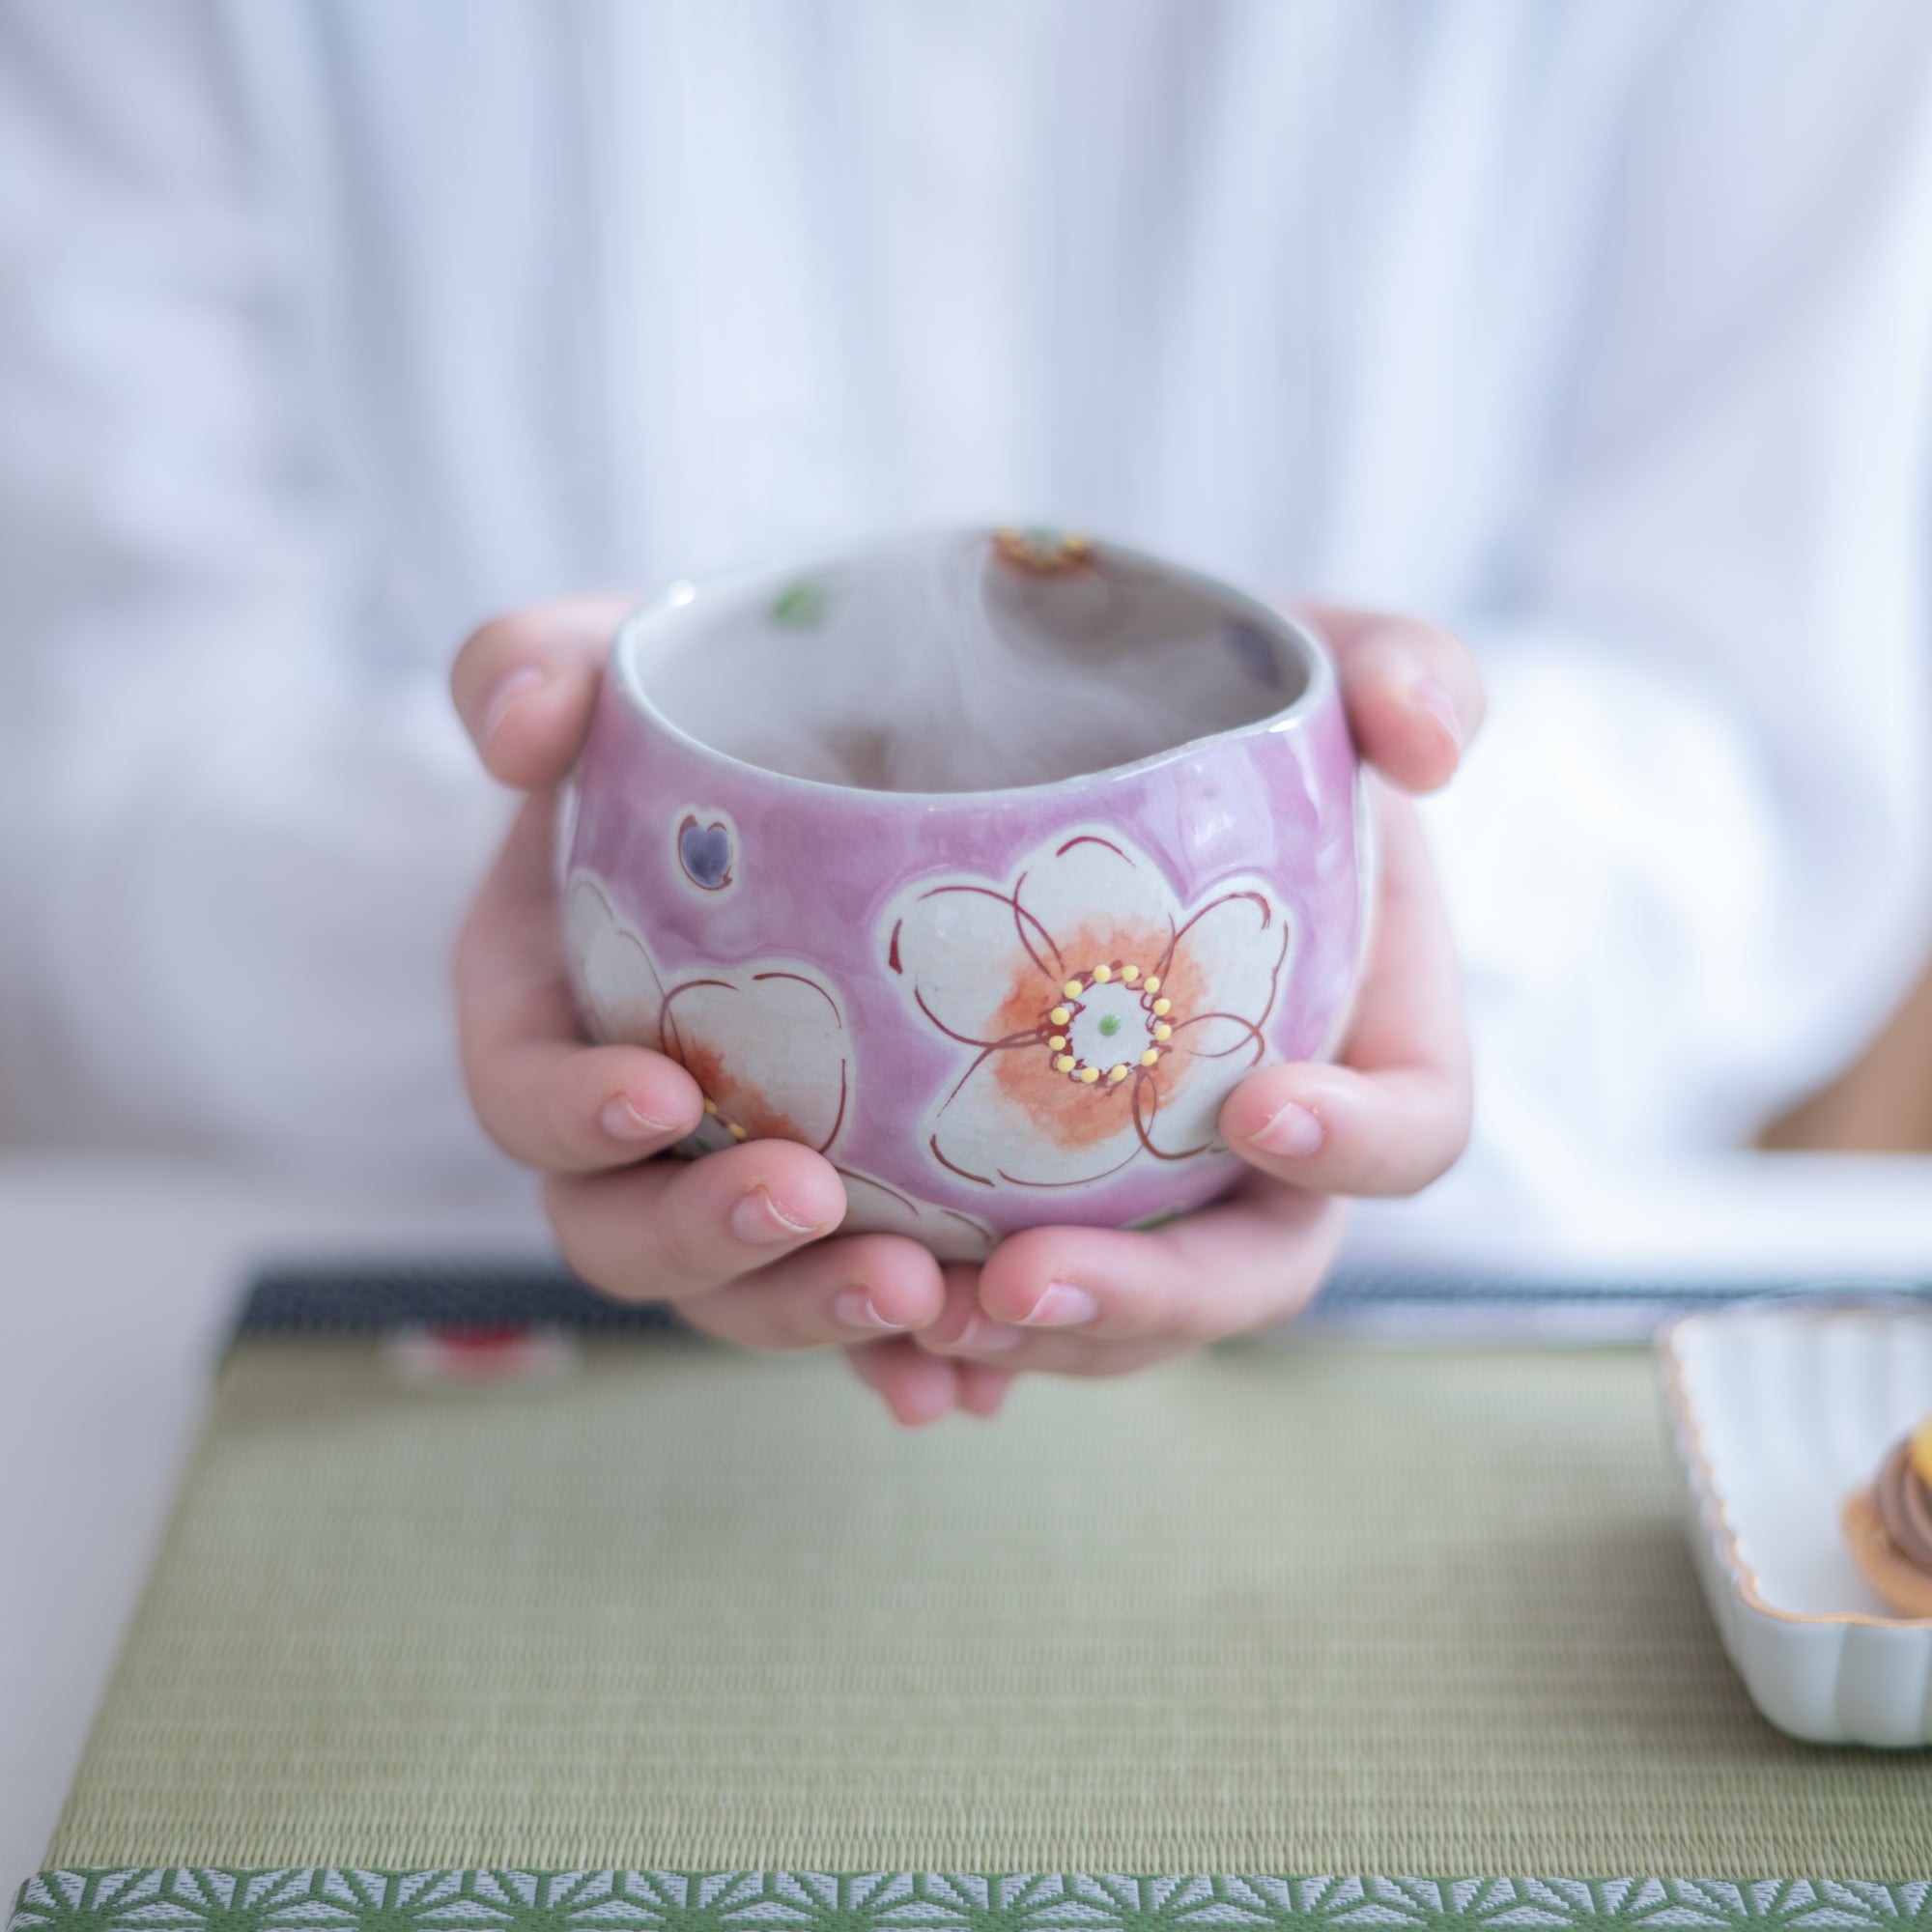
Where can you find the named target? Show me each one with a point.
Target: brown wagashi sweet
(1889, 1526)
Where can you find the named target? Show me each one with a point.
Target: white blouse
(1602, 332)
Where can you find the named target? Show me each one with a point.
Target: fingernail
(989, 1338)
(1433, 696)
(622, 1121)
(1061, 1306)
(1294, 1132)
(757, 1218)
(854, 1307)
(512, 691)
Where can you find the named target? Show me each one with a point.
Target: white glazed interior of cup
(965, 661)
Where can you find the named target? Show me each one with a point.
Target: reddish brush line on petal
(905, 1201)
(978, 1061)
(804, 982)
(1274, 978)
(1093, 839)
(1251, 1035)
(1143, 1127)
(1084, 1180)
(1020, 914)
(838, 1119)
(1165, 963)
(965, 1174)
(966, 1039)
(689, 986)
(674, 1046)
(1166, 960)
(1229, 898)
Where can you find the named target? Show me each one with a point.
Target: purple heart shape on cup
(1029, 866)
(705, 853)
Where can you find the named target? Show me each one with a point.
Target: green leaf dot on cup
(802, 605)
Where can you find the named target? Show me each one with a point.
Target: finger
(856, 1289)
(1396, 1115)
(571, 1109)
(524, 685)
(542, 1095)
(962, 1332)
(670, 1230)
(1100, 1302)
(917, 1388)
(983, 1391)
(1413, 692)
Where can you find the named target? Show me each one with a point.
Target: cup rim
(675, 606)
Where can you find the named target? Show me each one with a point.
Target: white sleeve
(1687, 863)
(231, 851)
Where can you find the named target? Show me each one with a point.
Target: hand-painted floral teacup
(985, 862)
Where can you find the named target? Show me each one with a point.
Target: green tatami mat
(1275, 1610)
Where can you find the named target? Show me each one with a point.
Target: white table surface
(118, 1277)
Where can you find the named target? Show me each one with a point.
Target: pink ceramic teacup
(985, 862)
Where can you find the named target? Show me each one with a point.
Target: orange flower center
(1075, 1065)
(732, 1107)
(1110, 1022)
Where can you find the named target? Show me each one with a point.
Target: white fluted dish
(1779, 1413)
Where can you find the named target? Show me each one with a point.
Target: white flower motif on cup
(766, 1041)
(768, 1046)
(1100, 1020)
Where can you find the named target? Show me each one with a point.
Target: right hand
(735, 1239)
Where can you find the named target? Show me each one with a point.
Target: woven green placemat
(1270, 1610)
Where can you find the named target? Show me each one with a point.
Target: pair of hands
(744, 1241)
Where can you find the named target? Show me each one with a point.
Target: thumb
(524, 685)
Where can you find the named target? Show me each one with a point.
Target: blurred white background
(329, 327)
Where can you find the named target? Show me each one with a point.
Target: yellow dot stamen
(1073, 989)
(1118, 1072)
(1162, 1008)
(1151, 983)
(711, 1106)
(1149, 1057)
(1102, 974)
(738, 1133)
(1065, 1062)
(1089, 1074)
(1130, 974)
(1162, 1031)
(1058, 1042)
(1060, 1016)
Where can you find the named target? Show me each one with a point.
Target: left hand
(1390, 1116)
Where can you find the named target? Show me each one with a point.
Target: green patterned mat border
(198, 1899)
